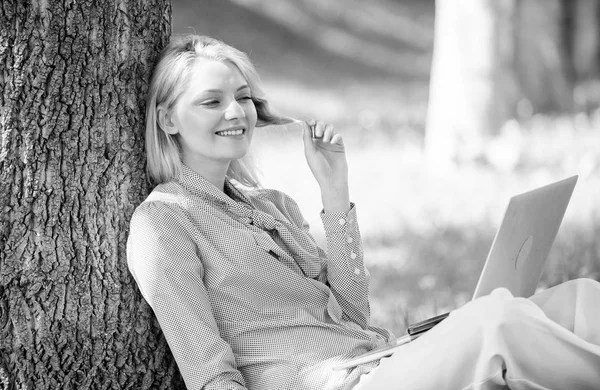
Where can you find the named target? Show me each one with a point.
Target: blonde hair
(163, 152)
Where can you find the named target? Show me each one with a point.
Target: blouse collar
(198, 185)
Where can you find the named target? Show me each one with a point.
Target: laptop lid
(523, 241)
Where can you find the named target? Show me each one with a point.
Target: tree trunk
(472, 89)
(73, 79)
(542, 60)
(582, 37)
(584, 45)
(493, 60)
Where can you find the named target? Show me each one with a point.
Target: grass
(426, 232)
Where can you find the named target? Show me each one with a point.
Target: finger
(319, 129)
(337, 139)
(328, 133)
(311, 125)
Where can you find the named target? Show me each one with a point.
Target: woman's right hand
(326, 157)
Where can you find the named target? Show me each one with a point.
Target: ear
(165, 120)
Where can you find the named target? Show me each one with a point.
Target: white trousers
(549, 341)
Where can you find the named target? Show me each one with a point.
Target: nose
(234, 111)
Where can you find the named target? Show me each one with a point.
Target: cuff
(340, 221)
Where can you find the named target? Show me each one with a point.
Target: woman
(246, 298)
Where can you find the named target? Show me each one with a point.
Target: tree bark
(73, 79)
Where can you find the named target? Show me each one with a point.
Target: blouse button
(342, 221)
(356, 271)
(353, 255)
(349, 240)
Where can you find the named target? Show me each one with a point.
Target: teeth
(230, 132)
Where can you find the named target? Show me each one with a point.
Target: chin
(237, 155)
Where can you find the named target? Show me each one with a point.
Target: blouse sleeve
(163, 259)
(346, 273)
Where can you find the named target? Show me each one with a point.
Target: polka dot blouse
(242, 292)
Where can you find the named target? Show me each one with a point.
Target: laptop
(515, 260)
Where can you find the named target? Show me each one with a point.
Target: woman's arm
(346, 274)
(164, 262)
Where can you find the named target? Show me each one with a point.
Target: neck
(211, 171)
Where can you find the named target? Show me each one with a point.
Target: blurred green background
(365, 67)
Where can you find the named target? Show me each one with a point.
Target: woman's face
(214, 116)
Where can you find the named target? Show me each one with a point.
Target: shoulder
(166, 209)
(158, 205)
(160, 233)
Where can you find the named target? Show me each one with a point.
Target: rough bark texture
(73, 76)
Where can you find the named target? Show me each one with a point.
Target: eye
(245, 98)
(210, 103)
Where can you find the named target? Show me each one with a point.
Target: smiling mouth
(230, 133)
